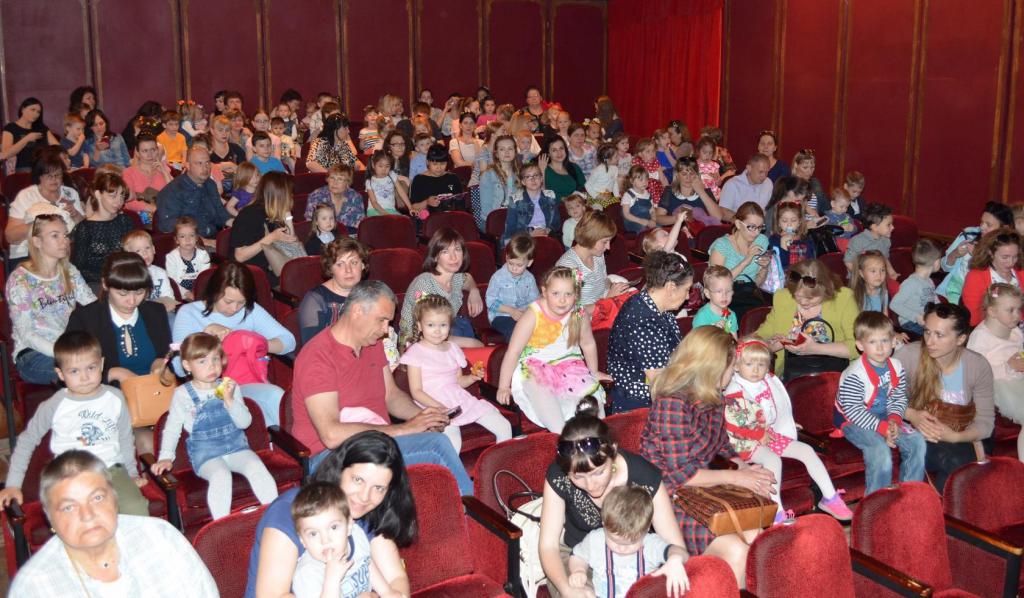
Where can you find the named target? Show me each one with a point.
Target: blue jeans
(425, 447)
(268, 397)
(36, 368)
(462, 326)
(913, 328)
(505, 325)
(878, 456)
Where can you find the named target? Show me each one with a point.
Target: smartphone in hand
(454, 412)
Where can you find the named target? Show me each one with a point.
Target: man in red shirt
(344, 367)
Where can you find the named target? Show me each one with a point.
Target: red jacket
(975, 286)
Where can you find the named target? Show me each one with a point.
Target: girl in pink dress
(435, 373)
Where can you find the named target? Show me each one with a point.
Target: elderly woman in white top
(47, 195)
(97, 552)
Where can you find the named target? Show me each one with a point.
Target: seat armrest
(285, 297)
(291, 445)
(287, 359)
(497, 526)
(887, 576)
(1001, 548)
(983, 539)
(699, 256)
(166, 480)
(636, 258)
(818, 442)
(15, 514)
(16, 517)
(494, 521)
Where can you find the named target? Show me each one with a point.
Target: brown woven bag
(957, 417)
(726, 509)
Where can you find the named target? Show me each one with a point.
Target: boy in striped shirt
(870, 404)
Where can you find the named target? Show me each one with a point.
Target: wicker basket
(726, 509)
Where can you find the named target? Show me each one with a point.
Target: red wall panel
(449, 47)
(750, 77)
(516, 50)
(959, 97)
(136, 53)
(376, 52)
(1015, 134)
(878, 85)
(223, 49)
(578, 57)
(56, 27)
(301, 48)
(809, 82)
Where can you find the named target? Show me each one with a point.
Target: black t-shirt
(424, 186)
(247, 229)
(24, 160)
(582, 516)
(235, 154)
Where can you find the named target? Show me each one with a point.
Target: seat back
(834, 262)
(461, 222)
(904, 231)
(224, 244)
(753, 319)
(625, 428)
(614, 212)
(481, 261)
(41, 457)
(545, 256)
(163, 243)
(710, 577)
(894, 525)
(308, 182)
(441, 550)
(382, 232)
(264, 295)
(495, 225)
(602, 337)
(299, 201)
(290, 320)
(709, 234)
(970, 492)
(799, 559)
(902, 260)
(300, 275)
(256, 434)
(219, 543)
(395, 267)
(617, 256)
(813, 399)
(14, 183)
(464, 173)
(527, 457)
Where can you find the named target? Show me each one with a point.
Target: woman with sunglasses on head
(997, 258)
(743, 252)
(588, 464)
(767, 145)
(685, 431)
(952, 400)
(803, 169)
(812, 320)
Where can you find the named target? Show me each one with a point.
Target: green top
(840, 312)
(564, 184)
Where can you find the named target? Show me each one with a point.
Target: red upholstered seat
(805, 558)
(546, 254)
(617, 256)
(710, 577)
(834, 262)
(308, 182)
(187, 497)
(988, 495)
(224, 244)
(953, 553)
(461, 222)
(625, 428)
(163, 243)
(382, 232)
(26, 529)
(395, 267)
(481, 261)
(453, 555)
(753, 319)
(220, 544)
(904, 232)
(903, 260)
(300, 275)
(710, 234)
(494, 229)
(527, 457)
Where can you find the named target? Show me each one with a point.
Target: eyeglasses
(588, 446)
(808, 281)
(530, 177)
(754, 227)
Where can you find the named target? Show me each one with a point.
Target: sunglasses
(589, 446)
(808, 281)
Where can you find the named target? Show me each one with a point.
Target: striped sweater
(858, 391)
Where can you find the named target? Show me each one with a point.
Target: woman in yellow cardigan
(812, 318)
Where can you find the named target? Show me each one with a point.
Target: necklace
(106, 565)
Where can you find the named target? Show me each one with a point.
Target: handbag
(147, 398)
(279, 253)
(526, 517)
(804, 365)
(957, 417)
(726, 509)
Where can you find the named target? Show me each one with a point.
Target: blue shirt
(642, 338)
(271, 164)
(417, 165)
(878, 408)
(78, 160)
(117, 153)
(183, 197)
(145, 353)
(513, 291)
(279, 516)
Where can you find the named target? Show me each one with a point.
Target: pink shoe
(783, 515)
(836, 507)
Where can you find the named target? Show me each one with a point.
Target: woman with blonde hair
(594, 235)
(265, 222)
(685, 431)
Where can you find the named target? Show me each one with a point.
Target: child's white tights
(803, 453)
(218, 473)
(493, 421)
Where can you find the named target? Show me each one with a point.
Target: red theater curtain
(665, 62)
